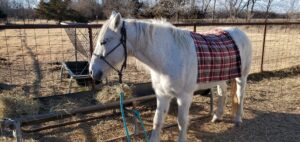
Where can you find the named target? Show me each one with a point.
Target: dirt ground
(272, 113)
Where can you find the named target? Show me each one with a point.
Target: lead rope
(123, 117)
(137, 115)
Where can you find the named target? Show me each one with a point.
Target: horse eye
(103, 42)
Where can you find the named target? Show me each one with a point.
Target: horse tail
(234, 98)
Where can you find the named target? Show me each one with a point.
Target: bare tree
(253, 3)
(18, 9)
(127, 8)
(88, 8)
(250, 4)
(248, 11)
(167, 9)
(230, 6)
(235, 7)
(268, 8)
(204, 6)
(214, 10)
(193, 4)
(4, 5)
(291, 12)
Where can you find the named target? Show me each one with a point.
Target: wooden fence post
(263, 48)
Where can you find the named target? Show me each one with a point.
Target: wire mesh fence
(31, 55)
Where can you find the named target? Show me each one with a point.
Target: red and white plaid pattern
(218, 56)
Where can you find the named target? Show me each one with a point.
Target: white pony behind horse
(170, 55)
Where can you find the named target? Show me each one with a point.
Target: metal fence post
(75, 46)
(263, 48)
(195, 27)
(91, 40)
(91, 51)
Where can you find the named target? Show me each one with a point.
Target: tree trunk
(214, 10)
(268, 9)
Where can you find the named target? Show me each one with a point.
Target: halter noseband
(122, 42)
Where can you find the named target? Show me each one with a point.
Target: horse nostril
(99, 75)
(96, 75)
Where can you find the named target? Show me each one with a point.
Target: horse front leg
(184, 103)
(163, 103)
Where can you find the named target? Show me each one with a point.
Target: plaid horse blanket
(218, 56)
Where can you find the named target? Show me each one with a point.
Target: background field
(31, 58)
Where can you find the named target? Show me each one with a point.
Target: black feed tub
(78, 70)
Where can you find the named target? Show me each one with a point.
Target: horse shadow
(81, 100)
(289, 72)
(51, 135)
(4, 86)
(265, 126)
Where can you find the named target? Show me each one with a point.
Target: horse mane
(146, 28)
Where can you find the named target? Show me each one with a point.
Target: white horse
(170, 55)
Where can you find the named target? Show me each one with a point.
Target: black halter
(122, 42)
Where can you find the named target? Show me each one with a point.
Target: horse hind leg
(222, 90)
(238, 92)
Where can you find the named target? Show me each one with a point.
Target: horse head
(110, 49)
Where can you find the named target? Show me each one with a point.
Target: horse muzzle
(96, 75)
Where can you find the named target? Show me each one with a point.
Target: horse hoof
(181, 140)
(215, 119)
(238, 124)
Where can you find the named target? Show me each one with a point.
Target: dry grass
(64, 104)
(111, 93)
(13, 105)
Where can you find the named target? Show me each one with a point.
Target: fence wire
(30, 58)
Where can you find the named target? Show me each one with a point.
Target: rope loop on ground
(136, 114)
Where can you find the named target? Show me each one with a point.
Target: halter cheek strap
(123, 43)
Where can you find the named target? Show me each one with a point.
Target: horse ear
(113, 14)
(116, 22)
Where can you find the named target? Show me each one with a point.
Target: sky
(279, 6)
